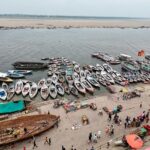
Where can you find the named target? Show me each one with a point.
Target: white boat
(10, 92)
(41, 83)
(18, 86)
(73, 90)
(48, 82)
(26, 89)
(87, 85)
(69, 79)
(5, 86)
(87, 73)
(93, 82)
(108, 68)
(107, 77)
(79, 87)
(53, 91)
(60, 89)
(33, 90)
(3, 94)
(25, 72)
(99, 67)
(77, 68)
(82, 74)
(54, 78)
(75, 76)
(44, 92)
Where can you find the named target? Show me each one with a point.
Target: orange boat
(25, 127)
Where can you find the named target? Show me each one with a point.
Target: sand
(64, 135)
(6, 23)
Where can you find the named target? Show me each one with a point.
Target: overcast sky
(116, 8)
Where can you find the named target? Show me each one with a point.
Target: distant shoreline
(19, 23)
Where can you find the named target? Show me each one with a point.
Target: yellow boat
(6, 79)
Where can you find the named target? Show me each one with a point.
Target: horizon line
(77, 16)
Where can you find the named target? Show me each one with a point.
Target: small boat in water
(87, 85)
(30, 65)
(41, 83)
(79, 87)
(60, 89)
(25, 127)
(24, 72)
(61, 78)
(10, 92)
(6, 79)
(93, 82)
(73, 90)
(33, 90)
(16, 75)
(3, 94)
(5, 86)
(44, 92)
(48, 82)
(75, 76)
(77, 68)
(18, 86)
(54, 78)
(82, 74)
(53, 91)
(26, 89)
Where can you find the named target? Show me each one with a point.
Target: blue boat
(24, 72)
(16, 75)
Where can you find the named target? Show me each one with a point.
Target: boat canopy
(11, 107)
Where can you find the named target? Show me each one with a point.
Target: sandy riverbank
(64, 135)
(6, 23)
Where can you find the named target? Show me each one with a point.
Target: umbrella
(134, 141)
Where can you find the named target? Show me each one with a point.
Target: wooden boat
(41, 83)
(107, 77)
(24, 72)
(33, 90)
(73, 90)
(61, 78)
(18, 87)
(25, 127)
(67, 89)
(82, 74)
(87, 73)
(99, 67)
(108, 68)
(101, 81)
(5, 86)
(93, 82)
(26, 81)
(60, 89)
(3, 94)
(54, 78)
(53, 91)
(30, 65)
(69, 79)
(44, 92)
(49, 73)
(6, 79)
(87, 86)
(77, 68)
(75, 76)
(10, 92)
(26, 89)
(16, 75)
(79, 87)
(48, 82)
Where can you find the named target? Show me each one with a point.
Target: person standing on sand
(49, 141)
(109, 116)
(34, 143)
(90, 136)
(46, 141)
(63, 148)
(141, 105)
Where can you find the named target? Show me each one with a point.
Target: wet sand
(6, 23)
(64, 135)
